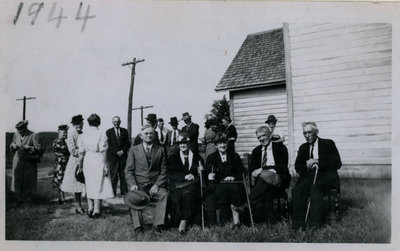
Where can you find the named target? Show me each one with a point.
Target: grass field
(365, 205)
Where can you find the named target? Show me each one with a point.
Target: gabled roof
(260, 61)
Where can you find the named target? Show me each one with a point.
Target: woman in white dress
(92, 158)
(69, 183)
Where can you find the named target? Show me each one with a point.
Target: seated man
(317, 163)
(224, 171)
(269, 170)
(146, 171)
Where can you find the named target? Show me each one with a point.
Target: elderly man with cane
(317, 163)
(269, 170)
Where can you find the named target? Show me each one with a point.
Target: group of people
(164, 167)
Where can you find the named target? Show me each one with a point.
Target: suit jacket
(328, 163)
(169, 135)
(177, 171)
(233, 167)
(193, 133)
(139, 172)
(280, 153)
(115, 145)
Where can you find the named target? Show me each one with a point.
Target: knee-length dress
(93, 143)
(70, 184)
(61, 154)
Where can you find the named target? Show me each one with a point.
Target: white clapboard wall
(250, 110)
(341, 79)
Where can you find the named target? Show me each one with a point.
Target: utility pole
(24, 106)
(141, 111)
(133, 63)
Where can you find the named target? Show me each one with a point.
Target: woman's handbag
(79, 176)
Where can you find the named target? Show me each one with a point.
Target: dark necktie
(264, 159)
(174, 140)
(186, 163)
(148, 155)
(312, 151)
(161, 136)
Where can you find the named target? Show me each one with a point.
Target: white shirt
(164, 132)
(315, 150)
(176, 135)
(117, 132)
(270, 155)
(146, 146)
(190, 158)
(223, 156)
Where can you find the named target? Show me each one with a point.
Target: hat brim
(186, 117)
(129, 203)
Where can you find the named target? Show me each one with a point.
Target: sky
(186, 47)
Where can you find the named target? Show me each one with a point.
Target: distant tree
(220, 109)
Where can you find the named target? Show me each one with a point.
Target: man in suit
(118, 146)
(146, 171)
(316, 155)
(192, 131)
(269, 170)
(172, 137)
(162, 132)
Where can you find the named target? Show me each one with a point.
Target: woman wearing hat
(70, 184)
(230, 132)
(277, 135)
(28, 151)
(184, 184)
(92, 159)
(224, 170)
(61, 153)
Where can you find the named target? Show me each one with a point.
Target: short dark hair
(94, 120)
(160, 120)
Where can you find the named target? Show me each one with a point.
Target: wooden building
(337, 75)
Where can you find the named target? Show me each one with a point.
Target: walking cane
(201, 194)
(309, 197)
(248, 203)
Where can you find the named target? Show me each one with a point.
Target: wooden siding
(341, 79)
(250, 110)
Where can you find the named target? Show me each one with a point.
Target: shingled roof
(260, 61)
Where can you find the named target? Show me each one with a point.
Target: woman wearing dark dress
(231, 134)
(62, 154)
(224, 172)
(184, 184)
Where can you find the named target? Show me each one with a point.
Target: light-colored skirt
(69, 183)
(98, 186)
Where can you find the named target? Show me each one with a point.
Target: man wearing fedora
(172, 137)
(151, 120)
(269, 173)
(118, 146)
(192, 131)
(145, 173)
(277, 135)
